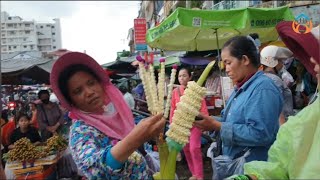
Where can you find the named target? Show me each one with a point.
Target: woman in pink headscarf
(103, 137)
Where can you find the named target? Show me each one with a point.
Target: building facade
(19, 35)
(233, 4)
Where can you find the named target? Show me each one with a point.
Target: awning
(198, 61)
(23, 65)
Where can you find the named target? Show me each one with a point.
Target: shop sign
(140, 30)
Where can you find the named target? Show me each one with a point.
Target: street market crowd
(268, 129)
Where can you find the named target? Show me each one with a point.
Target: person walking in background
(104, 140)
(284, 74)
(33, 113)
(192, 150)
(270, 56)
(49, 115)
(127, 96)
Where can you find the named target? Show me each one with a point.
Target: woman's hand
(149, 128)
(51, 129)
(37, 143)
(208, 123)
(11, 147)
(144, 131)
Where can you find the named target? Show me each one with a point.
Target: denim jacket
(252, 119)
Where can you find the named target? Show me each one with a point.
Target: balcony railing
(207, 5)
(225, 5)
(254, 3)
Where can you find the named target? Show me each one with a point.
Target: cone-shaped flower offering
(179, 130)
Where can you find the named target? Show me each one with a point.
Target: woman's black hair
(66, 75)
(254, 36)
(43, 92)
(264, 67)
(187, 69)
(22, 114)
(242, 45)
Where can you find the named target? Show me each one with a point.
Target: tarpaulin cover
(198, 61)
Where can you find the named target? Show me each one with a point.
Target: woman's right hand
(147, 129)
(207, 124)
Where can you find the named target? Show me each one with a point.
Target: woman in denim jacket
(250, 119)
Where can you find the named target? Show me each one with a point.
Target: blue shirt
(253, 118)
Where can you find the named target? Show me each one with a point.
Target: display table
(44, 168)
(47, 172)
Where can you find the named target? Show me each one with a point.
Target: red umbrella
(109, 72)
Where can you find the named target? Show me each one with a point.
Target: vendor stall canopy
(191, 30)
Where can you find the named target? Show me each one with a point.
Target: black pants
(45, 135)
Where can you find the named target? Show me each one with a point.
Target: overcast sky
(99, 27)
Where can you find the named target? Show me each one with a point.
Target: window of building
(9, 18)
(41, 26)
(3, 34)
(53, 47)
(27, 25)
(48, 25)
(27, 32)
(52, 26)
(14, 47)
(53, 40)
(24, 39)
(10, 25)
(31, 46)
(53, 33)
(24, 46)
(9, 48)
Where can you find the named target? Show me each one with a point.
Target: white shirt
(286, 76)
(129, 99)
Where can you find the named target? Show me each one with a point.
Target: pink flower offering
(139, 58)
(175, 66)
(162, 60)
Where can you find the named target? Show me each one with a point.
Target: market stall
(27, 161)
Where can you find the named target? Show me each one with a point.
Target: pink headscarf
(116, 125)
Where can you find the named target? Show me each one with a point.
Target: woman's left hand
(207, 124)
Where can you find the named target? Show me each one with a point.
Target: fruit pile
(56, 143)
(24, 150)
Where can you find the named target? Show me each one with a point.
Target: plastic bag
(223, 166)
(153, 161)
(66, 167)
